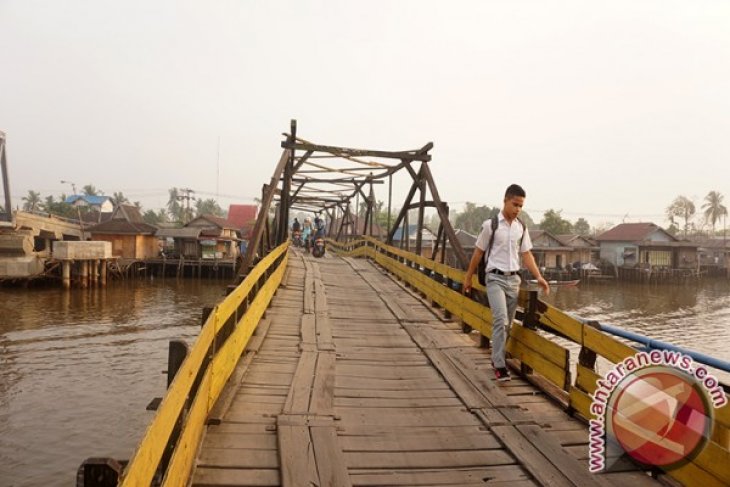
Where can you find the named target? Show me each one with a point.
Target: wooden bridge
(369, 367)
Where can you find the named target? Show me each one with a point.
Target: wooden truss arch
(330, 179)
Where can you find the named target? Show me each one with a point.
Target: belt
(502, 273)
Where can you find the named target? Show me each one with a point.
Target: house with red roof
(244, 218)
(646, 245)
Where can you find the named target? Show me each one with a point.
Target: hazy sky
(598, 108)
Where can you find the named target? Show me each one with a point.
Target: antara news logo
(656, 407)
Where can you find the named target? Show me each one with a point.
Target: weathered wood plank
(263, 440)
(530, 457)
(575, 471)
(308, 329)
(301, 385)
(428, 459)
(218, 477)
(331, 463)
(323, 389)
(298, 465)
(231, 457)
(456, 476)
(403, 441)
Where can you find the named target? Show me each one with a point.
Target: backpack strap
(495, 224)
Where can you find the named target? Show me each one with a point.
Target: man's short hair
(514, 190)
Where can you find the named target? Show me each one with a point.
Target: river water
(78, 367)
(695, 315)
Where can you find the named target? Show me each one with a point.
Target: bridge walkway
(353, 379)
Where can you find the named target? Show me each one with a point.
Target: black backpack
(482, 269)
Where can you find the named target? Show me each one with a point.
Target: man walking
(501, 250)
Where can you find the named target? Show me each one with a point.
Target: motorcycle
(318, 247)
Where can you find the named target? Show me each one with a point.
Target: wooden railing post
(99, 472)
(176, 355)
(530, 321)
(587, 357)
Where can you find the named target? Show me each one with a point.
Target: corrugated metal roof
(92, 200)
(631, 232)
(123, 227)
(217, 221)
(186, 232)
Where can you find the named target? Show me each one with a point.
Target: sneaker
(502, 374)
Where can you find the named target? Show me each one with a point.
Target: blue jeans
(502, 292)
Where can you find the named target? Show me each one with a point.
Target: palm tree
(90, 190)
(32, 201)
(681, 207)
(173, 205)
(714, 209)
(119, 198)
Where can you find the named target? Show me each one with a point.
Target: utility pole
(186, 196)
(8, 215)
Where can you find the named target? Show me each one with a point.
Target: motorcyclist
(307, 232)
(319, 225)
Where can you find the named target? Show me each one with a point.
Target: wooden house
(646, 245)
(550, 251)
(217, 237)
(714, 255)
(130, 236)
(583, 249)
(178, 242)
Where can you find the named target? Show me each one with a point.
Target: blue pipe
(650, 343)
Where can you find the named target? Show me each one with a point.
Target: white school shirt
(505, 255)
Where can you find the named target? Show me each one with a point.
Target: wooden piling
(84, 273)
(102, 272)
(66, 270)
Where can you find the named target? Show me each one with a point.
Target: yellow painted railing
(201, 377)
(544, 356)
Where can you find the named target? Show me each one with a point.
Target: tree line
(470, 219)
(180, 208)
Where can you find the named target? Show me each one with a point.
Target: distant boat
(554, 283)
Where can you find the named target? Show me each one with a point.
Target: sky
(604, 110)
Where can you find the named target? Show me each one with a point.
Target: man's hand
(466, 288)
(544, 285)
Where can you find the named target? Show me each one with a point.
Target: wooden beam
(455, 244)
(336, 181)
(421, 208)
(302, 160)
(403, 211)
(263, 215)
(342, 156)
(296, 192)
(439, 235)
(347, 151)
(323, 169)
(327, 169)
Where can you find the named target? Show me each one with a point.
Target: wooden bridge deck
(352, 379)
